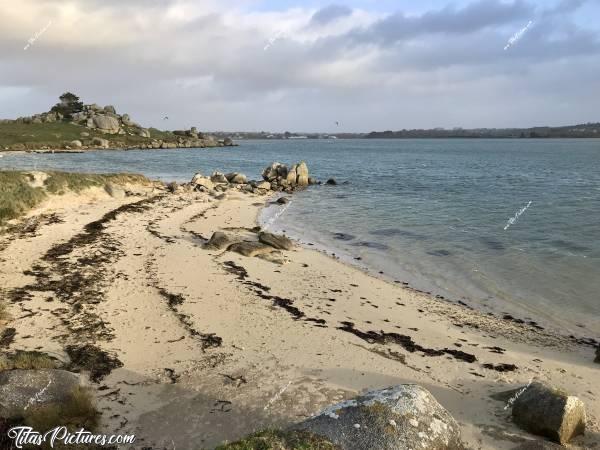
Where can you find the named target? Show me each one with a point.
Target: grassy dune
(18, 194)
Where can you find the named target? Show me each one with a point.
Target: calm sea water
(433, 213)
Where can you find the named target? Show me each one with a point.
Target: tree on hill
(69, 105)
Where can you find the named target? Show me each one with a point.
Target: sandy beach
(214, 345)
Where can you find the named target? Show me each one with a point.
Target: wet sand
(215, 345)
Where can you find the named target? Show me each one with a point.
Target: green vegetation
(18, 193)
(32, 136)
(28, 360)
(17, 196)
(77, 412)
(69, 105)
(280, 440)
(61, 182)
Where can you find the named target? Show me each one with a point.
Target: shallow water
(434, 213)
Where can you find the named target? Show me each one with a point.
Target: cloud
(329, 14)
(204, 64)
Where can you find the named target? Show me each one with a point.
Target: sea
(509, 226)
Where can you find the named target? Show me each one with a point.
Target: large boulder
(102, 143)
(200, 180)
(236, 178)
(127, 120)
(250, 248)
(401, 417)
(218, 241)
(538, 445)
(292, 176)
(110, 109)
(263, 185)
(546, 411)
(76, 144)
(218, 177)
(24, 389)
(106, 123)
(276, 241)
(274, 171)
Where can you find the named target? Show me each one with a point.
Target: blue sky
(301, 66)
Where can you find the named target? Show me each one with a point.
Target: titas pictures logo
(26, 436)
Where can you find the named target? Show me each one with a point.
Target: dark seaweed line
(80, 281)
(406, 342)
(261, 290)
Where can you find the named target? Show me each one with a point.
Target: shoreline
(517, 314)
(297, 319)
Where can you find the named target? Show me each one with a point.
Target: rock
(218, 241)
(110, 109)
(539, 445)
(331, 182)
(23, 389)
(401, 417)
(36, 120)
(200, 180)
(302, 169)
(276, 241)
(302, 180)
(127, 120)
(218, 177)
(274, 171)
(250, 248)
(79, 117)
(114, 191)
(312, 180)
(546, 411)
(102, 143)
(144, 132)
(597, 360)
(172, 187)
(236, 178)
(76, 144)
(227, 142)
(263, 185)
(106, 123)
(94, 107)
(292, 176)
(283, 200)
(90, 123)
(84, 134)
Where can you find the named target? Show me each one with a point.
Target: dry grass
(280, 440)
(17, 196)
(28, 360)
(79, 411)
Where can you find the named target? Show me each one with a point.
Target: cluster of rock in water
(107, 121)
(277, 177)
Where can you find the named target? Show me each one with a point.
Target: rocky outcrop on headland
(104, 128)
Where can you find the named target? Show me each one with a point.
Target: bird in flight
(337, 123)
(166, 118)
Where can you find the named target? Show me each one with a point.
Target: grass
(22, 136)
(59, 182)
(28, 360)
(17, 195)
(280, 440)
(77, 412)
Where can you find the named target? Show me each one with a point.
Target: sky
(284, 65)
